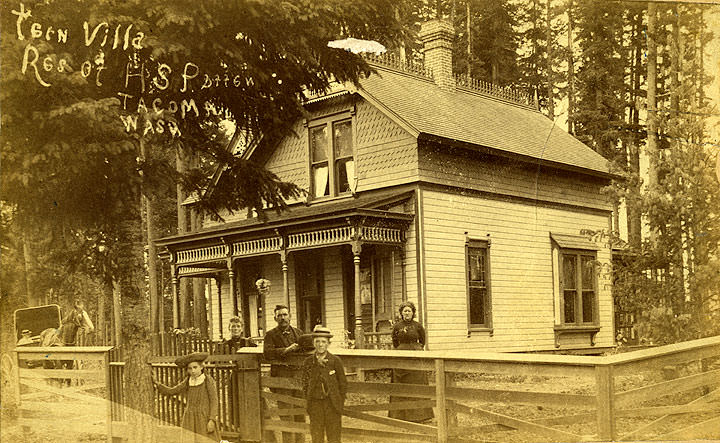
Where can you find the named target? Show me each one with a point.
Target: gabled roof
(421, 107)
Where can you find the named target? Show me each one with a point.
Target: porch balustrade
(207, 253)
(320, 237)
(380, 234)
(258, 246)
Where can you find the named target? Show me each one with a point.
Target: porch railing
(668, 392)
(180, 344)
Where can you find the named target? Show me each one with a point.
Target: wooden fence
(72, 380)
(168, 343)
(668, 392)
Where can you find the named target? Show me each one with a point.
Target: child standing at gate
(199, 422)
(325, 386)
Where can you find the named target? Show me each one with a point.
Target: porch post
(218, 282)
(286, 286)
(233, 291)
(403, 270)
(359, 333)
(176, 312)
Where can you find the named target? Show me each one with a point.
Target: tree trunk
(117, 324)
(198, 284)
(549, 53)
(29, 264)
(136, 331)
(469, 40)
(571, 69)
(152, 268)
(651, 147)
(634, 219)
(100, 333)
(148, 205)
(184, 283)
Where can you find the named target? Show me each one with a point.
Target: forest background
(82, 198)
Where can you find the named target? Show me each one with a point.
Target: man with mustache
(279, 343)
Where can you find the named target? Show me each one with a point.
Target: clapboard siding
(411, 265)
(471, 170)
(523, 296)
(334, 315)
(227, 307)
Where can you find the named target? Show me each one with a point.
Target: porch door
(376, 284)
(250, 312)
(310, 287)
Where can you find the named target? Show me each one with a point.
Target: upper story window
(332, 161)
(578, 287)
(478, 283)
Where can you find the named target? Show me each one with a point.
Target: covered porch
(341, 264)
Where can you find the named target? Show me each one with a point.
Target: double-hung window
(332, 161)
(578, 287)
(478, 284)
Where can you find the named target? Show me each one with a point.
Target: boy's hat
(185, 360)
(321, 331)
(25, 331)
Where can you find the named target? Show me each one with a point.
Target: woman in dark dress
(408, 334)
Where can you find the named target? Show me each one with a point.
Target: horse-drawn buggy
(44, 326)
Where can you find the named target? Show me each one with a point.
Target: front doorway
(250, 311)
(379, 288)
(310, 287)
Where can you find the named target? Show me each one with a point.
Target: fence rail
(661, 393)
(67, 377)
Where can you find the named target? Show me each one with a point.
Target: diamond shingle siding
(289, 160)
(387, 154)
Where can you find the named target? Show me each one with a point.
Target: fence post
(16, 369)
(452, 412)
(605, 402)
(108, 386)
(440, 401)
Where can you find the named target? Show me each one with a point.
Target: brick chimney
(437, 38)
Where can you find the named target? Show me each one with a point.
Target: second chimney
(437, 38)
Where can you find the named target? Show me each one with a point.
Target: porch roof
(364, 204)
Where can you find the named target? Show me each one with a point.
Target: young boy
(325, 386)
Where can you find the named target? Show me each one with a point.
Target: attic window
(332, 161)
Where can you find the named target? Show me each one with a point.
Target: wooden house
(457, 195)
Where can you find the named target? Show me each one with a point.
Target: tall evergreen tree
(541, 52)
(672, 279)
(69, 160)
(494, 42)
(600, 109)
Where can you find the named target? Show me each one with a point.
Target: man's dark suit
(325, 387)
(276, 340)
